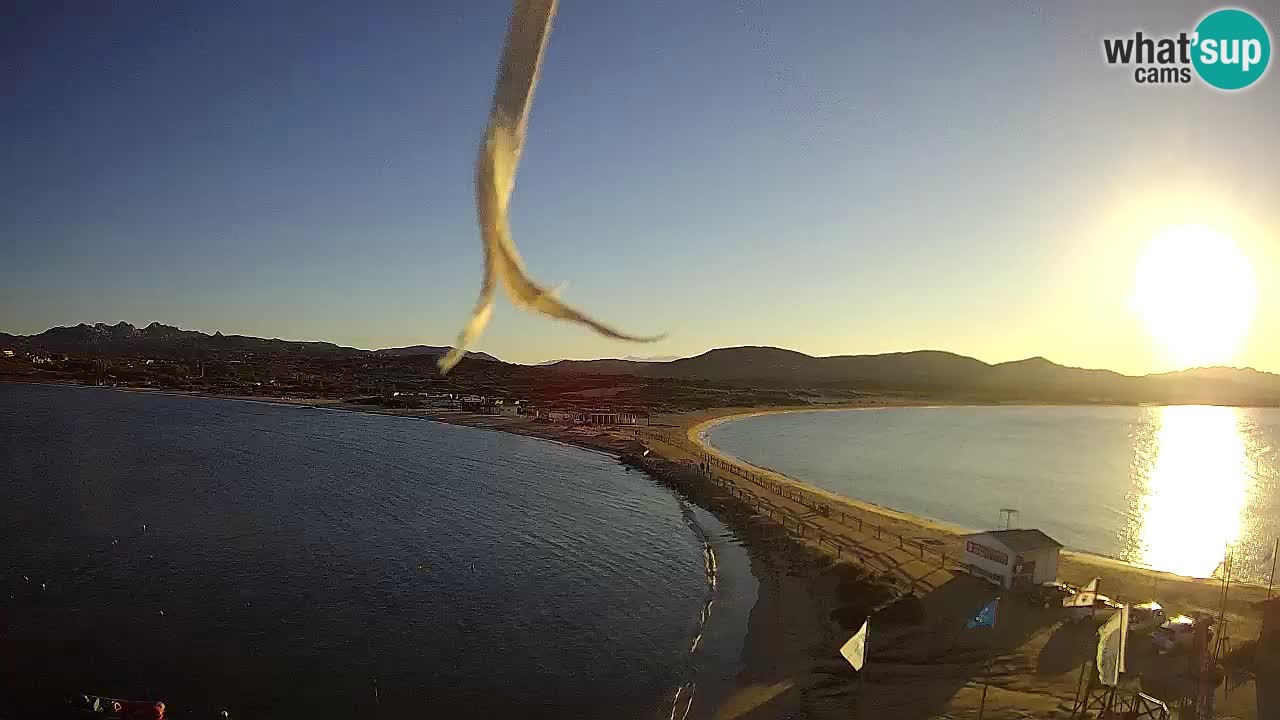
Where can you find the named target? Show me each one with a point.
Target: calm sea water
(279, 561)
(1168, 487)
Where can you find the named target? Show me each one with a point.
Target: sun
(1196, 294)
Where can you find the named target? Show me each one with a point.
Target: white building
(1012, 557)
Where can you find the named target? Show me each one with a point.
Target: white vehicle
(1179, 633)
(1145, 617)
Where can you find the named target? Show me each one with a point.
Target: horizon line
(677, 357)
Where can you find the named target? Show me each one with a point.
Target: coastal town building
(505, 407)
(601, 417)
(1011, 558)
(609, 417)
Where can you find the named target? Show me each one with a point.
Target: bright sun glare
(1195, 292)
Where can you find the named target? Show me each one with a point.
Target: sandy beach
(932, 668)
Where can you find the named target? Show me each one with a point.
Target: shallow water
(289, 562)
(1168, 487)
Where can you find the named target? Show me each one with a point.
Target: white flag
(1112, 641)
(855, 651)
(1124, 637)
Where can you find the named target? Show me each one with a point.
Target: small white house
(1012, 557)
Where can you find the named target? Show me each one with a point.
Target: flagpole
(1093, 611)
(986, 676)
(863, 700)
(1080, 683)
(1274, 552)
(986, 681)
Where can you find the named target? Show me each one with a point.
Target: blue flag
(986, 617)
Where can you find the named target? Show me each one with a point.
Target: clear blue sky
(827, 176)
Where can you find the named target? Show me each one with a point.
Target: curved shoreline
(696, 433)
(791, 638)
(701, 686)
(692, 426)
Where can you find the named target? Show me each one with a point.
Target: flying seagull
(518, 69)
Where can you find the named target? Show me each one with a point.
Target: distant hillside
(944, 374)
(167, 341)
(161, 341)
(431, 350)
(922, 373)
(769, 366)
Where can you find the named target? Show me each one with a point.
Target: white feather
(496, 165)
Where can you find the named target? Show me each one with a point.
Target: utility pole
(1274, 552)
(1222, 642)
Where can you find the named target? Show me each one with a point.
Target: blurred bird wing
(496, 166)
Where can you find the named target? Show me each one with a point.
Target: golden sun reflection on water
(1194, 482)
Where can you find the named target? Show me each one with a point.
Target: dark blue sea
(287, 562)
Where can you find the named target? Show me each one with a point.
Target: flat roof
(1021, 540)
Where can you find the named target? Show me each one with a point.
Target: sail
(1112, 644)
(986, 617)
(1084, 597)
(855, 650)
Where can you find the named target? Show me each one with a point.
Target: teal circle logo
(1232, 49)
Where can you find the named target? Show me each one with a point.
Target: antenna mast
(1008, 514)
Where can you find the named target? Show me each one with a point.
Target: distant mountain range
(923, 373)
(431, 350)
(933, 373)
(165, 340)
